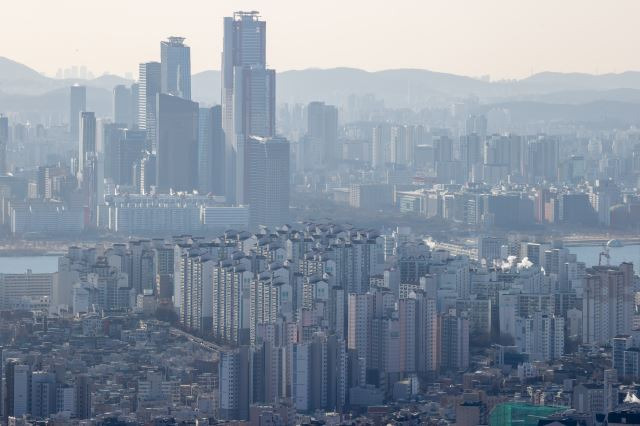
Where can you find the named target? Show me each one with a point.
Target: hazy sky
(503, 38)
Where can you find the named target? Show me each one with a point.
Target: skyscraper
(87, 141)
(77, 104)
(211, 151)
(18, 386)
(267, 182)
(148, 88)
(122, 149)
(4, 140)
(122, 105)
(43, 394)
(82, 390)
(108, 135)
(248, 95)
(176, 144)
(176, 67)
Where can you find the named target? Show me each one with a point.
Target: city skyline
(559, 37)
(326, 247)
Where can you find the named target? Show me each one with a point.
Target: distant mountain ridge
(25, 91)
(19, 79)
(410, 87)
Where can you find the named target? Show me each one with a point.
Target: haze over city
(319, 213)
(501, 38)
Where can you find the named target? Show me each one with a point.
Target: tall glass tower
(175, 73)
(248, 96)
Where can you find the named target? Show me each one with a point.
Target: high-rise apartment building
(607, 303)
(197, 286)
(454, 341)
(381, 139)
(231, 301)
(175, 72)
(360, 315)
(176, 144)
(77, 104)
(148, 88)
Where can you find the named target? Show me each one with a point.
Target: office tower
(127, 149)
(77, 104)
(267, 183)
(176, 144)
(43, 394)
(108, 136)
(322, 128)
(454, 343)
(148, 88)
(18, 389)
(489, 248)
(211, 151)
(4, 140)
(91, 183)
(82, 391)
(87, 141)
(248, 95)
(607, 303)
(175, 72)
(122, 104)
(254, 99)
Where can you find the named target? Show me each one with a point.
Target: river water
(587, 254)
(20, 264)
